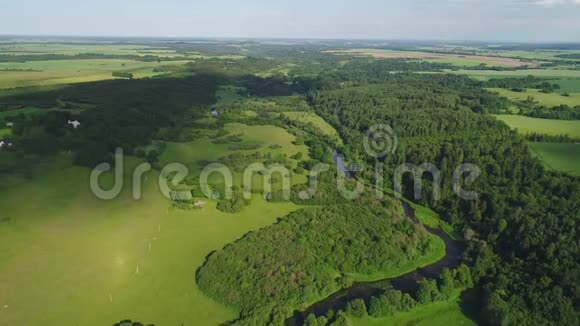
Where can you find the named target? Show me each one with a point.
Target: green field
(75, 49)
(5, 132)
(546, 73)
(196, 154)
(549, 99)
(317, 121)
(568, 85)
(527, 125)
(560, 157)
(537, 54)
(79, 255)
(54, 72)
(439, 313)
(453, 59)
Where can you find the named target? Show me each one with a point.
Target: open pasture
(269, 140)
(314, 119)
(546, 99)
(76, 49)
(54, 72)
(541, 73)
(66, 255)
(454, 59)
(559, 157)
(568, 85)
(447, 312)
(526, 125)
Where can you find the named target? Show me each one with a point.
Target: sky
(465, 20)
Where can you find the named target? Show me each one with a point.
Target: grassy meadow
(544, 73)
(271, 140)
(89, 257)
(568, 85)
(313, 118)
(5, 132)
(526, 125)
(546, 99)
(55, 72)
(559, 156)
(453, 59)
(439, 313)
(75, 49)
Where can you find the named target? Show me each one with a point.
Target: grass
(268, 136)
(526, 125)
(546, 73)
(431, 219)
(196, 154)
(65, 254)
(5, 132)
(568, 85)
(453, 59)
(560, 157)
(74, 49)
(313, 118)
(549, 100)
(447, 312)
(55, 72)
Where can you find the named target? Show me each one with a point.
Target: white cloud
(554, 3)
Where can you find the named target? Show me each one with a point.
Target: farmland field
(54, 72)
(568, 85)
(527, 125)
(459, 60)
(560, 157)
(549, 99)
(545, 73)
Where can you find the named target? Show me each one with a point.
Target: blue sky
(507, 20)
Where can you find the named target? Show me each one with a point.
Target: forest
(523, 212)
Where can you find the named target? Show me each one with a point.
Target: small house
(2, 144)
(199, 204)
(74, 123)
(214, 112)
(10, 124)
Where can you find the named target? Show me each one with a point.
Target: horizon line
(285, 38)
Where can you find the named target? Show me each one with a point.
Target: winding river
(406, 282)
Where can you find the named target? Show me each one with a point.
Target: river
(406, 282)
